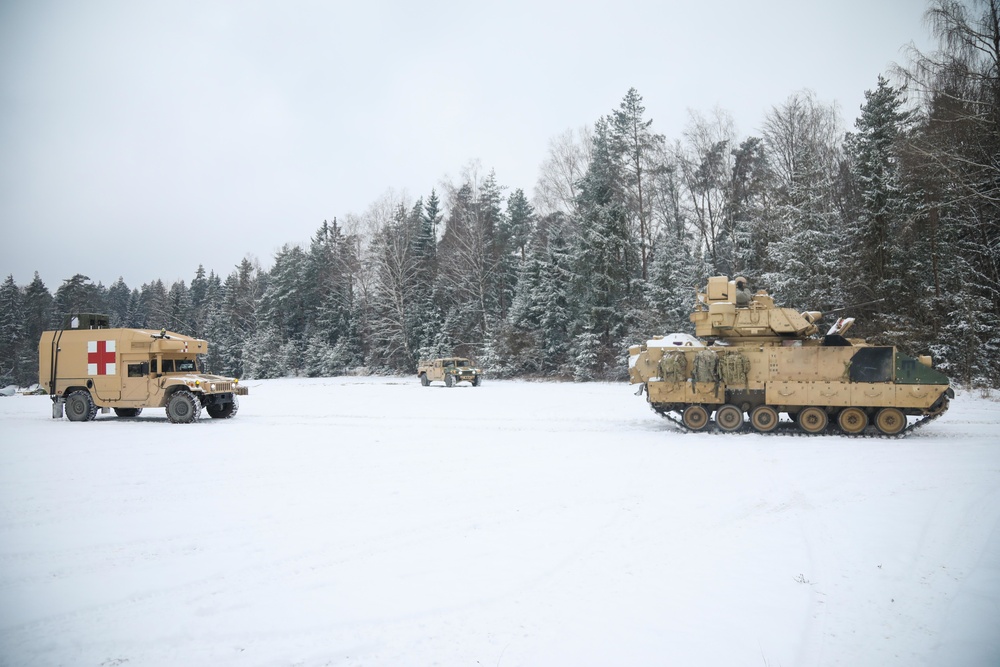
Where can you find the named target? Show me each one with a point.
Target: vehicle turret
(726, 311)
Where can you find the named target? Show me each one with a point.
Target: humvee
(449, 370)
(87, 366)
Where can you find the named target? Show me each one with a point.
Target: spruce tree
(604, 255)
(39, 316)
(78, 295)
(12, 334)
(636, 146)
(882, 205)
(118, 300)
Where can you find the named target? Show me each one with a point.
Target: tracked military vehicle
(753, 365)
(87, 366)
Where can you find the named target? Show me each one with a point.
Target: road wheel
(852, 420)
(764, 418)
(890, 421)
(80, 406)
(813, 420)
(423, 380)
(695, 417)
(223, 410)
(449, 380)
(128, 412)
(729, 417)
(182, 407)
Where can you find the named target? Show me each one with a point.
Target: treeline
(903, 210)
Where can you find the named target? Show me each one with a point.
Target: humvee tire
(224, 411)
(80, 406)
(424, 381)
(182, 407)
(448, 381)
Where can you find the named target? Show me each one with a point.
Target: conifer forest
(894, 213)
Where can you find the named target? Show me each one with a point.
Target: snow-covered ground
(371, 521)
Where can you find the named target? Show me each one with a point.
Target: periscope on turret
(752, 364)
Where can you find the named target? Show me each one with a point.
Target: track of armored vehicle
(792, 428)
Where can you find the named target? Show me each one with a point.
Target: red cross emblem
(101, 357)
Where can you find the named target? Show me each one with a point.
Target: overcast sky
(141, 139)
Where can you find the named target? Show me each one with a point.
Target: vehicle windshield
(185, 366)
(461, 363)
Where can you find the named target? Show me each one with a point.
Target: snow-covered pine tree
(79, 295)
(12, 338)
(154, 306)
(262, 354)
(424, 318)
(676, 271)
(604, 254)
(586, 353)
(471, 289)
(802, 138)
(557, 310)
(198, 290)
(39, 316)
(118, 299)
(282, 308)
(637, 148)
(181, 311)
(395, 270)
(882, 206)
(705, 160)
(750, 227)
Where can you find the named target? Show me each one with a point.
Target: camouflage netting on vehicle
(734, 367)
(706, 366)
(673, 367)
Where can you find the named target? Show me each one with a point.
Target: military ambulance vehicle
(86, 367)
(450, 370)
(754, 363)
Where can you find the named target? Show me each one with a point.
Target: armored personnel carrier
(87, 366)
(753, 364)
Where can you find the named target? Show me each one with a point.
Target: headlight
(212, 386)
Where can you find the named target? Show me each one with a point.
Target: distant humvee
(449, 370)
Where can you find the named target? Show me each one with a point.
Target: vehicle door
(136, 379)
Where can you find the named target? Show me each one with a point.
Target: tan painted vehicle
(753, 362)
(450, 370)
(87, 367)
